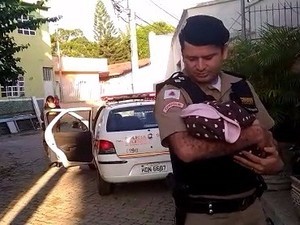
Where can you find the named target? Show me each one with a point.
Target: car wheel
(104, 188)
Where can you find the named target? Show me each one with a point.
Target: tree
(70, 42)
(80, 47)
(115, 49)
(112, 45)
(65, 35)
(103, 25)
(143, 34)
(10, 12)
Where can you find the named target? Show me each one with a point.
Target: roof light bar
(140, 96)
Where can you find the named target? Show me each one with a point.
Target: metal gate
(279, 14)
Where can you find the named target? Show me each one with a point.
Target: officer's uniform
(169, 104)
(166, 118)
(217, 190)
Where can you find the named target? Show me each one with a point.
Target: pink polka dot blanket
(215, 120)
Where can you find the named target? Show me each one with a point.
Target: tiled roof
(119, 69)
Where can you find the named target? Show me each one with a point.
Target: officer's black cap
(204, 30)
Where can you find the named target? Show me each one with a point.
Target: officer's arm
(168, 107)
(188, 148)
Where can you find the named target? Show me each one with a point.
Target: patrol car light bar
(141, 96)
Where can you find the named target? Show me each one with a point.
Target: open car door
(69, 136)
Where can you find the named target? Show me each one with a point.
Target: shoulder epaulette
(179, 80)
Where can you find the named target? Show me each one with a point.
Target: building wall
(80, 87)
(77, 79)
(147, 77)
(229, 12)
(159, 46)
(142, 82)
(34, 58)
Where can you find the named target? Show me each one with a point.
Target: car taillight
(105, 147)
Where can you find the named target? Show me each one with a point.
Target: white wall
(229, 12)
(79, 80)
(80, 87)
(160, 46)
(81, 64)
(147, 76)
(142, 82)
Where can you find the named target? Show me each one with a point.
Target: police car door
(69, 136)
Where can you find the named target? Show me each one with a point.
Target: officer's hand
(270, 164)
(264, 137)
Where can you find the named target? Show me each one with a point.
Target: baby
(218, 121)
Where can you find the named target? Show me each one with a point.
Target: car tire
(104, 188)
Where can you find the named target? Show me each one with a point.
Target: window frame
(26, 31)
(14, 91)
(47, 73)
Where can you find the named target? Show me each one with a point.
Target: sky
(79, 14)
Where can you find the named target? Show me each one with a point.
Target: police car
(122, 142)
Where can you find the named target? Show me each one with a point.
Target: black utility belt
(212, 206)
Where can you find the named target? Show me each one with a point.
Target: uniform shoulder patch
(172, 93)
(171, 105)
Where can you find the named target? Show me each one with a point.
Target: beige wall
(80, 87)
(34, 58)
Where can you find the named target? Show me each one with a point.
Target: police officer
(213, 184)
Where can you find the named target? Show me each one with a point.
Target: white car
(126, 143)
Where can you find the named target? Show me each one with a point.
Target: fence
(281, 14)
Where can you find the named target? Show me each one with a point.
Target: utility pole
(133, 43)
(58, 52)
(243, 19)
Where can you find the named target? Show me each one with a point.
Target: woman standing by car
(50, 104)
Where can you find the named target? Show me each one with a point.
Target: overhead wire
(158, 6)
(149, 24)
(121, 9)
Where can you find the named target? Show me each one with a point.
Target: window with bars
(25, 31)
(16, 90)
(47, 73)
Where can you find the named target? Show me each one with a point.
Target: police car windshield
(131, 118)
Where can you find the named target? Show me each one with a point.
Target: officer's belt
(211, 206)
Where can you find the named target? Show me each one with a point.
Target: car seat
(114, 122)
(150, 118)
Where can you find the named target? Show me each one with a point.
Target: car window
(131, 118)
(96, 117)
(68, 123)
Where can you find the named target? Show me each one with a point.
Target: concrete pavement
(30, 193)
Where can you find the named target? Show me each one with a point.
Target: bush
(271, 63)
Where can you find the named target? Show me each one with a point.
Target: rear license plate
(153, 168)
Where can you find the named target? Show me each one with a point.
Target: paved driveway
(30, 193)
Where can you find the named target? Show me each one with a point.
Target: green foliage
(143, 34)
(268, 63)
(115, 49)
(73, 43)
(103, 25)
(10, 12)
(65, 35)
(112, 45)
(80, 47)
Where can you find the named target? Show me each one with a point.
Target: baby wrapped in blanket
(217, 121)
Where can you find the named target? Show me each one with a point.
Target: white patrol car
(126, 143)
